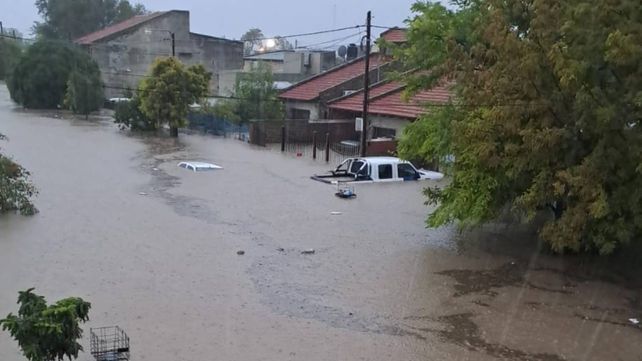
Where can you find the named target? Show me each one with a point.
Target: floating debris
(142, 194)
(336, 213)
(308, 251)
(240, 253)
(634, 321)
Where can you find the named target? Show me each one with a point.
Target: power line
(307, 34)
(334, 41)
(386, 27)
(215, 96)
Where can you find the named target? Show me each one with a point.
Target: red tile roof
(386, 99)
(394, 35)
(311, 88)
(117, 28)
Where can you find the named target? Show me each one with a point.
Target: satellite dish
(342, 51)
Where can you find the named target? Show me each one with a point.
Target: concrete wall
(125, 59)
(312, 107)
(275, 66)
(398, 124)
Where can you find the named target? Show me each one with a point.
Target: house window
(383, 132)
(299, 114)
(385, 171)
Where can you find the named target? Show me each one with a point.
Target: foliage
(129, 115)
(40, 78)
(282, 43)
(15, 187)
(47, 333)
(71, 19)
(546, 117)
(255, 97)
(170, 89)
(251, 39)
(84, 91)
(9, 54)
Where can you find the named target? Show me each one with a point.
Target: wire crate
(109, 344)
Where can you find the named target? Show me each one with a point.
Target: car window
(385, 171)
(356, 165)
(406, 171)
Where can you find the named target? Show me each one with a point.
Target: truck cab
(377, 169)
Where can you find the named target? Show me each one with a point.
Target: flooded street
(154, 248)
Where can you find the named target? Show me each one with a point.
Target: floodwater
(154, 248)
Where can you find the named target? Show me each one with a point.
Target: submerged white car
(198, 166)
(376, 169)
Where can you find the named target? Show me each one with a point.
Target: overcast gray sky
(231, 18)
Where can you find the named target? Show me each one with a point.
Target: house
(388, 112)
(394, 35)
(307, 100)
(125, 51)
(302, 63)
(287, 67)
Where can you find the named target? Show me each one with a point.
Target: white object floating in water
(634, 321)
(336, 213)
(142, 193)
(198, 166)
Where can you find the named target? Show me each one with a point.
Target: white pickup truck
(376, 169)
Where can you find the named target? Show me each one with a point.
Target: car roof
(382, 160)
(200, 164)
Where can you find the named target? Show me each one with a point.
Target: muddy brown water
(154, 248)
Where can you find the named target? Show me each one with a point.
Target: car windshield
(298, 180)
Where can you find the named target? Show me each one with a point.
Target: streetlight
(171, 35)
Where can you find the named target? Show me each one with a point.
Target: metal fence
(208, 123)
(109, 344)
(331, 141)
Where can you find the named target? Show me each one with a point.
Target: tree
(129, 115)
(71, 19)
(15, 187)
(282, 43)
(47, 333)
(40, 78)
(255, 97)
(84, 91)
(9, 54)
(170, 89)
(547, 115)
(251, 39)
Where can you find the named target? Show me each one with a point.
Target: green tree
(84, 91)
(71, 19)
(128, 115)
(282, 43)
(47, 332)
(15, 188)
(255, 97)
(40, 78)
(170, 89)
(546, 117)
(251, 39)
(10, 52)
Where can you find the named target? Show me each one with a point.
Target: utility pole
(1, 29)
(172, 35)
(366, 88)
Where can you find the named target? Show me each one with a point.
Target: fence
(329, 140)
(208, 123)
